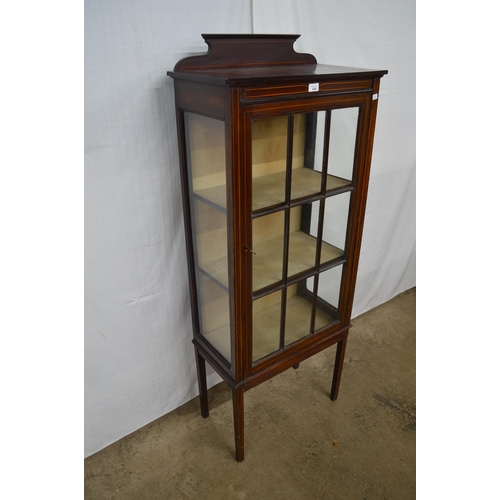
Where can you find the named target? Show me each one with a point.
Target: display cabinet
(275, 155)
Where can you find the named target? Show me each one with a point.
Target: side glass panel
(213, 303)
(206, 153)
(335, 226)
(327, 300)
(206, 160)
(343, 130)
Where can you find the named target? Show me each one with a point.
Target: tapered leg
(337, 370)
(239, 428)
(202, 383)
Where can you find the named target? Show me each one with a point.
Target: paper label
(313, 87)
(374, 97)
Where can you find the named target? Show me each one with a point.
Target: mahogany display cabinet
(275, 154)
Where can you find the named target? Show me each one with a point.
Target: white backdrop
(139, 361)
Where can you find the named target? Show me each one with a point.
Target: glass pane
(327, 302)
(343, 129)
(210, 238)
(266, 325)
(213, 303)
(269, 146)
(298, 311)
(206, 161)
(267, 247)
(335, 226)
(303, 232)
(206, 157)
(307, 159)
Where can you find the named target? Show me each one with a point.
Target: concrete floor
(298, 443)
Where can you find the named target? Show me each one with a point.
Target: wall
(138, 354)
(139, 360)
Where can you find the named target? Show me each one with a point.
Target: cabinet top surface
(254, 59)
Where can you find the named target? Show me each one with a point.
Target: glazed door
(303, 181)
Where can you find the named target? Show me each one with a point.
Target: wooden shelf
(215, 196)
(221, 340)
(267, 260)
(297, 325)
(265, 337)
(269, 190)
(268, 257)
(217, 270)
